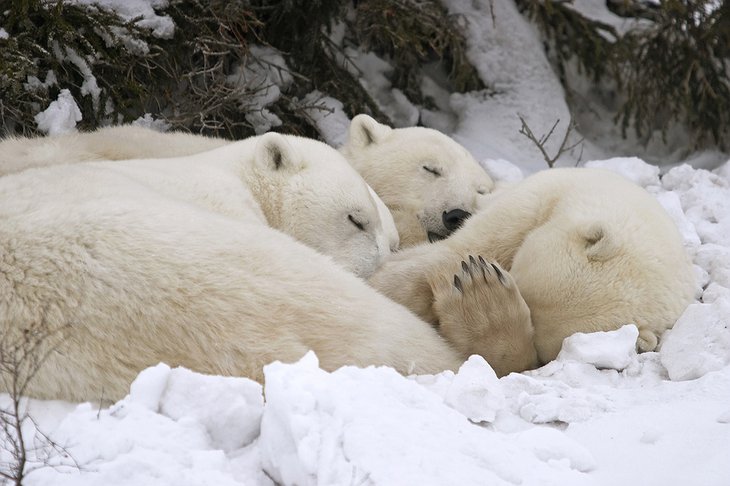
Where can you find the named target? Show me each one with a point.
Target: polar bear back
(127, 277)
(120, 142)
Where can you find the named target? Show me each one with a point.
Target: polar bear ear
(274, 152)
(599, 245)
(365, 131)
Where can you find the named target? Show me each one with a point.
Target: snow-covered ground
(599, 414)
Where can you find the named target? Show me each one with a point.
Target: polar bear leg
(480, 311)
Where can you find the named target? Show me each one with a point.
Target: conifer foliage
(671, 67)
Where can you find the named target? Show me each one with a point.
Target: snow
(60, 116)
(604, 350)
(267, 74)
(600, 414)
(161, 26)
(329, 116)
(699, 342)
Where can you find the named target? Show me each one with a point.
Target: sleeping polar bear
(587, 249)
(125, 142)
(429, 182)
(111, 267)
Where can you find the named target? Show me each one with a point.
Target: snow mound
(60, 116)
(604, 350)
(229, 408)
(329, 428)
(699, 342)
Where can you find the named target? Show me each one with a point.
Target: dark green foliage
(573, 36)
(672, 66)
(184, 80)
(191, 90)
(41, 34)
(411, 33)
(300, 29)
(678, 68)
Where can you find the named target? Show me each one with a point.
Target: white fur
(396, 163)
(120, 142)
(588, 250)
(323, 225)
(123, 265)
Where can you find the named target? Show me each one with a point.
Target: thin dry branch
(21, 356)
(540, 142)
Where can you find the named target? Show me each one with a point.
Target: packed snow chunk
(4, 34)
(148, 387)
(633, 168)
(149, 121)
(604, 350)
(143, 11)
(699, 342)
(128, 445)
(673, 206)
(476, 391)
(502, 170)
(715, 292)
(61, 115)
(229, 408)
(375, 426)
(329, 116)
(705, 199)
(715, 259)
(263, 77)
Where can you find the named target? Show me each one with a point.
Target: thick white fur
(588, 250)
(395, 162)
(311, 199)
(124, 142)
(123, 265)
(120, 142)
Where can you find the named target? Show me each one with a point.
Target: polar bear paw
(647, 341)
(480, 311)
(477, 284)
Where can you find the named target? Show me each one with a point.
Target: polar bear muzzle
(454, 219)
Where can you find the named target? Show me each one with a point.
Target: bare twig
(540, 142)
(21, 356)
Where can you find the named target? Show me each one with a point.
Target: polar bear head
(429, 182)
(308, 190)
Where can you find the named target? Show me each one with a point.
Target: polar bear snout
(454, 219)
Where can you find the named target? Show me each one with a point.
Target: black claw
(472, 261)
(485, 268)
(457, 284)
(464, 267)
(500, 275)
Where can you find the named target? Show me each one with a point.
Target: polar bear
(429, 182)
(587, 249)
(124, 142)
(119, 142)
(109, 267)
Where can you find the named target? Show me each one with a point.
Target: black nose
(454, 218)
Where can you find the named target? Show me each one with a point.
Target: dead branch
(540, 142)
